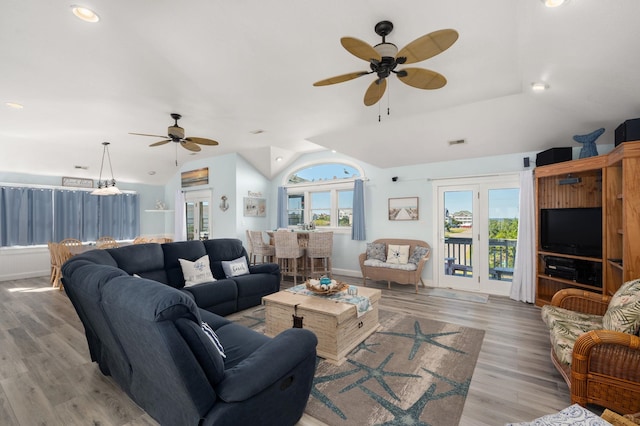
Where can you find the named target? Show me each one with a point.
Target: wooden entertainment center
(610, 182)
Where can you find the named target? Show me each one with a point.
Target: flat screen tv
(576, 231)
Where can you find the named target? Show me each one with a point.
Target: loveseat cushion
(623, 313)
(551, 315)
(378, 264)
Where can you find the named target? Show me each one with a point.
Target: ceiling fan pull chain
(388, 100)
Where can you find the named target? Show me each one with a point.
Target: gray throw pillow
(418, 253)
(235, 268)
(377, 251)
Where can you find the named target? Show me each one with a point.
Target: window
(322, 194)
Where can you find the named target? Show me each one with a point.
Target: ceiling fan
(175, 134)
(384, 57)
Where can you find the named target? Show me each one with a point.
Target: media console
(577, 270)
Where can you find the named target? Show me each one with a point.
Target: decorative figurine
(589, 143)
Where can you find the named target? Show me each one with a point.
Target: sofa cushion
(220, 249)
(189, 250)
(196, 272)
(207, 355)
(379, 264)
(563, 337)
(235, 268)
(623, 313)
(398, 254)
(377, 251)
(145, 260)
(220, 296)
(551, 315)
(418, 253)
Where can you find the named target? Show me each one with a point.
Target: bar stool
(319, 251)
(288, 253)
(259, 248)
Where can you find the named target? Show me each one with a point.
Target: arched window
(321, 194)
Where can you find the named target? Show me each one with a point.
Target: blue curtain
(358, 226)
(68, 214)
(26, 216)
(119, 216)
(283, 221)
(30, 216)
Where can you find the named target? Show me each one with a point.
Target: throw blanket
(362, 303)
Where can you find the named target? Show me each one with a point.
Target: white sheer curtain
(524, 271)
(180, 227)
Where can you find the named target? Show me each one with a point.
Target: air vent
(457, 142)
(81, 167)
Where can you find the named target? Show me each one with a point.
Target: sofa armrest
(609, 355)
(586, 302)
(264, 268)
(268, 364)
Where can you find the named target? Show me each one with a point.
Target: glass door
(477, 233)
(197, 213)
(457, 242)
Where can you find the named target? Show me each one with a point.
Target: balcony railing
(502, 254)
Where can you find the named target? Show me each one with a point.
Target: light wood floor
(46, 377)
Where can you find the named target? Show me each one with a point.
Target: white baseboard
(23, 275)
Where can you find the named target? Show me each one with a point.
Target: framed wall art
(255, 207)
(403, 208)
(195, 177)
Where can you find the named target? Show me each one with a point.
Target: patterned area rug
(413, 371)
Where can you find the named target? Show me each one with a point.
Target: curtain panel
(31, 216)
(358, 232)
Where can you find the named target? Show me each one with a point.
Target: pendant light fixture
(106, 187)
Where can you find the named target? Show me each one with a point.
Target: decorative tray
(333, 288)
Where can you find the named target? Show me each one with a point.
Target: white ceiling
(233, 67)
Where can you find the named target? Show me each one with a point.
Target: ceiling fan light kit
(107, 186)
(384, 58)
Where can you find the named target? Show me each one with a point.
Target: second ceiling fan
(384, 58)
(175, 134)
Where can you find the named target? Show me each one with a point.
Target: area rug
(466, 296)
(413, 371)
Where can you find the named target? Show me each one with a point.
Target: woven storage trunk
(336, 325)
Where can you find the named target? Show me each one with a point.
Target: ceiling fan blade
(421, 78)
(340, 78)
(190, 146)
(375, 91)
(360, 49)
(161, 142)
(144, 134)
(427, 46)
(202, 141)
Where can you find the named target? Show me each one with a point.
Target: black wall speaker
(628, 131)
(554, 155)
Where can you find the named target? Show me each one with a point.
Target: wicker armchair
(605, 367)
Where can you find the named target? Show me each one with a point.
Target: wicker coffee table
(336, 324)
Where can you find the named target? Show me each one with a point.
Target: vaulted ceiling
(241, 73)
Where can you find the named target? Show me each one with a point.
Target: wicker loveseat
(594, 345)
(375, 265)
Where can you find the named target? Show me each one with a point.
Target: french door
(477, 229)
(198, 214)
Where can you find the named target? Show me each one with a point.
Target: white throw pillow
(235, 268)
(196, 272)
(398, 254)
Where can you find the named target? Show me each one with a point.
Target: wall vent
(81, 167)
(458, 142)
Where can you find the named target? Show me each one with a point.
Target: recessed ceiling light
(554, 3)
(333, 151)
(14, 105)
(539, 87)
(278, 159)
(85, 14)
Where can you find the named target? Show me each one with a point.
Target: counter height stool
(258, 247)
(106, 242)
(288, 253)
(319, 251)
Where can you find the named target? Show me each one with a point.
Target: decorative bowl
(316, 287)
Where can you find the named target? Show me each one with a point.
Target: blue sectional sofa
(147, 333)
